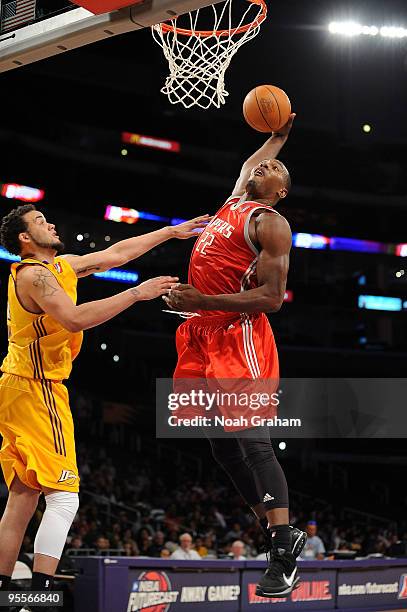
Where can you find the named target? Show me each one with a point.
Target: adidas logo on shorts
(268, 497)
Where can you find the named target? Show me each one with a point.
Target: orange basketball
(266, 108)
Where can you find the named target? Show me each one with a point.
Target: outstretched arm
(274, 236)
(41, 286)
(269, 150)
(124, 251)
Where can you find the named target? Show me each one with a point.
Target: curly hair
(12, 225)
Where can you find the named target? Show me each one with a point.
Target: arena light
(151, 217)
(150, 141)
(6, 256)
(393, 32)
(359, 246)
(23, 193)
(120, 214)
(301, 240)
(401, 250)
(310, 241)
(119, 276)
(352, 28)
(380, 302)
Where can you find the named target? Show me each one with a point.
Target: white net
(198, 59)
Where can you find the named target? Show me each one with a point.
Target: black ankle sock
(282, 537)
(41, 582)
(4, 582)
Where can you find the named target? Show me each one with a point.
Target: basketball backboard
(76, 27)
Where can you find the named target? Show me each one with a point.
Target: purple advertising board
(371, 588)
(315, 592)
(126, 584)
(147, 585)
(159, 590)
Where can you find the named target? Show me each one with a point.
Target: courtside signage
(315, 592)
(158, 591)
(372, 588)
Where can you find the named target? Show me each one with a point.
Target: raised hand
(190, 229)
(285, 130)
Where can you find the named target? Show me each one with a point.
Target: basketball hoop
(198, 59)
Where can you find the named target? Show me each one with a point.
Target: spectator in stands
(216, 518)
(114, 532)
(210, 545)
(131, 549)
(76, 543)
(165, 553)
(314, 548)
(200, 547)
(91, 533)
(237, 551)
(251, 549)
(185, 551)
(145, 525)
(398, 546)
(338, 538)
(235, 533)
(102, 544)
(172, 521)
(144, 542)
(157, 544)
(356, 543)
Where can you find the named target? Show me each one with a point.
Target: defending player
(238, 272)
(45, 334)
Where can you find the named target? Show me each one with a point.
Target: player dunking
(45, 334)
(238, 272)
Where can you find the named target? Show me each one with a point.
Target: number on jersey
(205, 241)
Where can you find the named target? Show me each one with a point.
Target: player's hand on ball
(184, 298)
(190, 229)
(285, 130)
(154, 287)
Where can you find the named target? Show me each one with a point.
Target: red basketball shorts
(232, 355)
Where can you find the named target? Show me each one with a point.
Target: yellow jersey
(39, 347)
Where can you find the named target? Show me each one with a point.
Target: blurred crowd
(132, 508)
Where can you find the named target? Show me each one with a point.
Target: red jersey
(224, 259)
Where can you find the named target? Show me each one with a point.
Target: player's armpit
(274, 237)
(39, 284)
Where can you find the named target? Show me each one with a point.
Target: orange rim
(165, 27)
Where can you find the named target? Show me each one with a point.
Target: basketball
(266, 108)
